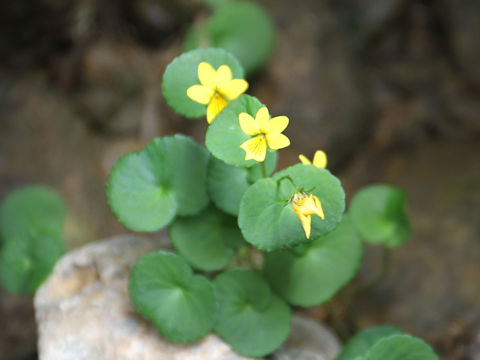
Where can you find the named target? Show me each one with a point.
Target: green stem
(264, 170)
(290, 179)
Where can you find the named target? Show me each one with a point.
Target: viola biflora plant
(224, 204)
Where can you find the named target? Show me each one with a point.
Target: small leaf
(25, 262)
(266, 217)
(164, 290)
(359, 344)
(182, 73)
(29, 209)
(208, 241)
(312, 273)
(228, 183)
(400, 347)
(243, 28)
(147, 189)
(31, 221)
(224, 135)
(378, 211)
(252, 319)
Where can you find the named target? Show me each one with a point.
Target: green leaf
(182, 73)
(359, 344)
(312, 273)
(164, 290)
(30, 209)
(25, 262)
(147, 189)
(31, 221)
(400, 347)
(240, 27)
(252, 319)
(208, 241)
(224, 135)
(266, 217)
(378, 211)
(228, 183)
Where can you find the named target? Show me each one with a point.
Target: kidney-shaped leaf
(312, 273)
(400, 347)
(252, 319)
(180, 304)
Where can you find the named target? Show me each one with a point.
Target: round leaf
(252, 319)
(25, 262)
(313, 273)
(243, 28)
(266, 217)
(364, 340)
(182, 73)
(147, 189)
(31, 209)
(228, 183)
(378, 211)
(181, 305)
(224, 135)
(400, 347)
(208, 241)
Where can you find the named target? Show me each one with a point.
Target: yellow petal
(276, 125)
(224, 75)
(248, 124)
(200, 94)
(207, 75)
(216, 105)
(277, 141)
(304, 159)
(320, 159)
(233, 88)
(318, 207)
(255, 148)
(262, 117)
(306, 221)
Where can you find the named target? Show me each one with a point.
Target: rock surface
(83, 311)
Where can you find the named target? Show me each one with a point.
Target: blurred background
(389, 88)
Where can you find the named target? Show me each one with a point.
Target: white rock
(83, 310)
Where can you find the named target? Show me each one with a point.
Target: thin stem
(264, 170)
(290, 179)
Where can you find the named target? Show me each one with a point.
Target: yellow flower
(319, 159)
(305, 205)
(267, 132)
(216, 88)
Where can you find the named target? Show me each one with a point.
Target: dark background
(389, 88)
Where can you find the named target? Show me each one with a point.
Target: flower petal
(224, 75)
(248, 124)
(233, 89)
(306, 221)
(216, 105)
(318, 207)
(320, 159)
(262, 117)
(277, 141)
(304, 159)
(276, 125)
(207, 75)
(255, 148)
(200, 94)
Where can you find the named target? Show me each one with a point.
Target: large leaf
(182, 73)
(266, 217)
(378, 211)
(359, 344)
(252, 319)
(181, 305)
(208, 241)
(312, 273)
(147, 189)
(400, 347)
(228, 183)
(241, 27)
